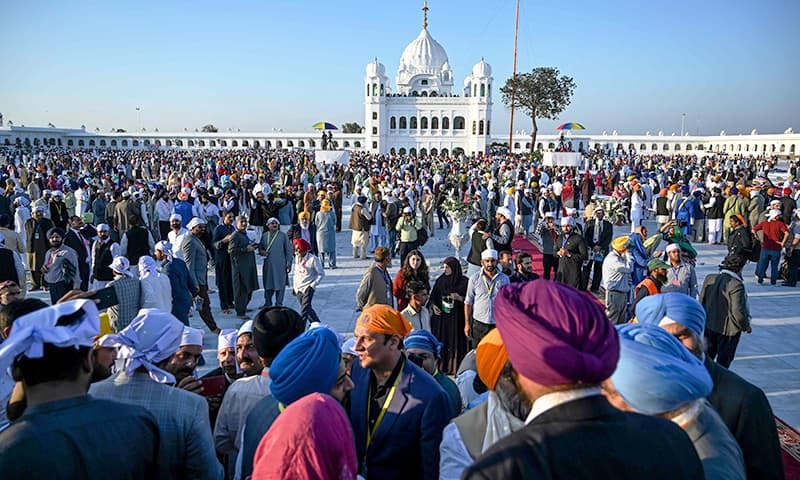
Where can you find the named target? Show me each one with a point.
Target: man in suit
(742, 406)
(150, 341)
(725, 301)
(304, 229)
(598, 235)
(398, 411)
(563, 347)
(76, 241)
(376, 284)
(196, 257)
(570, 248)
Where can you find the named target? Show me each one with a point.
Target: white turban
(567, 221)
(103, 227)
(191, 336)
(489, 253)
(164, 247)
(504, 212)
(176, 216)
(195, 221)
(227, 339)
(152, 337)
(32, 331)
(147, 267)
(121, 265)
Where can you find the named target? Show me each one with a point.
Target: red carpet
(790, 448)
(522, 244)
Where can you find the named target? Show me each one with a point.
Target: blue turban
(308, 364)
(685, 189)
(424, 340)
(56, 231)
(734, 191)
(656, 373)
(672, 307)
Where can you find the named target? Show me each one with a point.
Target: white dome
(482, 69)
(375, 69)
(424, 54)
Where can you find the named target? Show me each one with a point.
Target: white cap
(567, 221)
(247, 327)
(227, 338)
(103, 227)
(407, 210)
(121, 265)
(549, 215)
(489, 253)
(504, 212)
(773, 214)
(672, 247)
(192, 336)
(176, 216)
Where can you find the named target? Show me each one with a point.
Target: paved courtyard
(769, 357)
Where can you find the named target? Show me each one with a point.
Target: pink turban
(555, 334)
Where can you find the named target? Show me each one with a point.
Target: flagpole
(513, 76)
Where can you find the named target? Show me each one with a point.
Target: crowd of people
(486, 371)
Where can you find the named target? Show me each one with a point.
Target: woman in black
(447, 321)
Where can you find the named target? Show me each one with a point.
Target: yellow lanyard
(281, 408)
(490, 289)
(371, 431)
(271, 241)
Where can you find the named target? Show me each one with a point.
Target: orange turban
(490, 357)
(384, 319)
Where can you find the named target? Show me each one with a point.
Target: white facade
(424, 116)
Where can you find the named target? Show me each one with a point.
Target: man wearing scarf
(147, 345)
(743, 407)
(183, 289)
(657, 376)
(311, 363)
(563, 347)
(397, 410)
(469, 435)
(64, 431)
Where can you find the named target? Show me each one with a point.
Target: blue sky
(263, 64)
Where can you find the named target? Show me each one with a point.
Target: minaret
(425, 14)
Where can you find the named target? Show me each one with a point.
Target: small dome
(375, 69)
(424, 54)
(482, 69)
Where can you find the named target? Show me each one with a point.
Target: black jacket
(746, 412)
(589, 439)
(739, 242)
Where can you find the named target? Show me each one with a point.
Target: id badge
(36, 236)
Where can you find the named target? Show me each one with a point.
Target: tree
(210, 128)
(542, 93)
(351, 128)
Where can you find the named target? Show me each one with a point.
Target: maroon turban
(555, 334)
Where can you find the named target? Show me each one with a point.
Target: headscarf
(121, 265)
(490, 358)
(673, 307)
(311, 439)
(656, 373)
(151, 337)
(147, 267)
(37, 328)
(452, 283)
(423, 340)
(308, 364)
(165, 247)
(555, 334)
(384, 319)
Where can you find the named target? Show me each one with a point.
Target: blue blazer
(406, 444)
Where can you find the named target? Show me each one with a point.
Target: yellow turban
(619, 243)
(304, 215)
(490, 358)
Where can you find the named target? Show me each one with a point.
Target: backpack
(422, 236)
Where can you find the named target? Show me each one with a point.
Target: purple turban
(555, 334)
